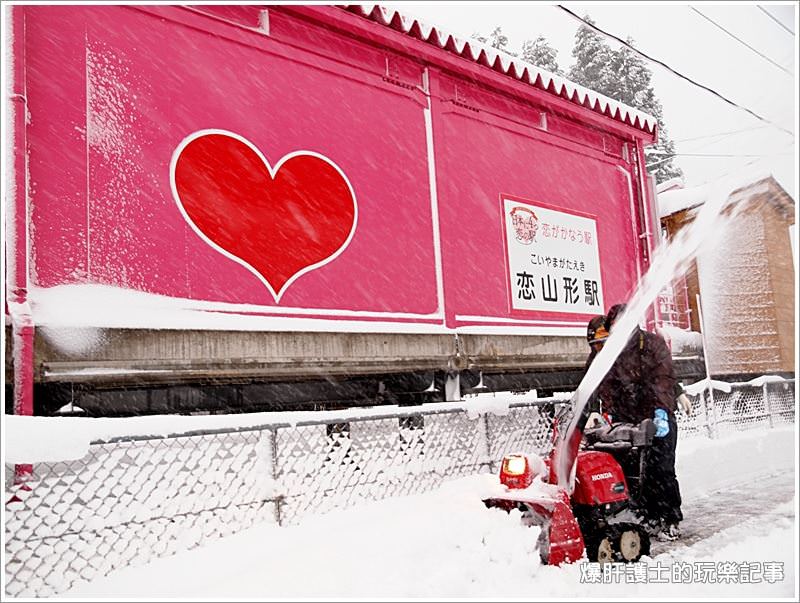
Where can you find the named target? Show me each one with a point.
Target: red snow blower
(594, 508)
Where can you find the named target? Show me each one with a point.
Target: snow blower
(595, 509)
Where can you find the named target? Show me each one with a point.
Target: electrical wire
(771, 16)
(736, 169)
(726, 154)
(763, 56)
(717, 135)
(671, 70)
(717, 139)
(669, 156)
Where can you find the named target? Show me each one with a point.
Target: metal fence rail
(745, 406)
(129, 501)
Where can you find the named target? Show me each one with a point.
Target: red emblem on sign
(280, 223)
(525, 224)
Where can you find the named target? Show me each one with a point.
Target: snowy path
(763, 498)
(739, 507)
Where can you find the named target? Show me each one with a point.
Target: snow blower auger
(594, 508)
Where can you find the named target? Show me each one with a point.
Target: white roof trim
(512, 66)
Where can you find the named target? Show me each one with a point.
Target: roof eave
(470, 58)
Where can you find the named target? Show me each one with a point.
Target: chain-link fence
(128, 501)
(717, 412)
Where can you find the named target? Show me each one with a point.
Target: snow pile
(445, 544)
(73, 341)
(700, 386)
(671, 184)
(483, 404)
(498, 403)
(103, 306)
(764, 379)
(50, 439)
(682, 340)
(705, 465)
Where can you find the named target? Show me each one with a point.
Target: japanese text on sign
(553, 259)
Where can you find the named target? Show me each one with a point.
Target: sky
(675, 34)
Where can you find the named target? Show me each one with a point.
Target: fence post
(712, 428)
(767, 404)
(708, 407)
(272, 448)
(487, 441)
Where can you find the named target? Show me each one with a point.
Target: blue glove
(661, 422)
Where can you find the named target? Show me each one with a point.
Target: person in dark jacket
(641, 385)
(596, 336)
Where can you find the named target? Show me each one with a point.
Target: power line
(725, 154)
(669, 156)
(771, 16)
(719, 137)
(720, 134)
(671, 70)
(736, 169)
(763, 56)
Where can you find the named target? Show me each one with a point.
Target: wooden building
(745, 280)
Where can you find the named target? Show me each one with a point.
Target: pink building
(237, 207)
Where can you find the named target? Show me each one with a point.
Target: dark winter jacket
(641, 380)
(593, 405)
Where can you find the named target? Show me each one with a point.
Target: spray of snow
(73, 342)
(735, 285)
(671, 260)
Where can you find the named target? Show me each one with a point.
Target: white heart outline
(277, 296)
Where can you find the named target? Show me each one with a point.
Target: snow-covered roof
(508, 65)
(673, 200)
(671, 184)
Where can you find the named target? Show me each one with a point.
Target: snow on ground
(30, 439)
(446, 544)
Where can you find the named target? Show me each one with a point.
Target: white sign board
(553, 259)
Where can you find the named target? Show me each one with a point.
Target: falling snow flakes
(106, 116)
(120, 187)
(110, 122)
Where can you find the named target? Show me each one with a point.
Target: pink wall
(480, 157)
(115, 91)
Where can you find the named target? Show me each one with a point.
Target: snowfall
(739, 494)
(740, 502)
